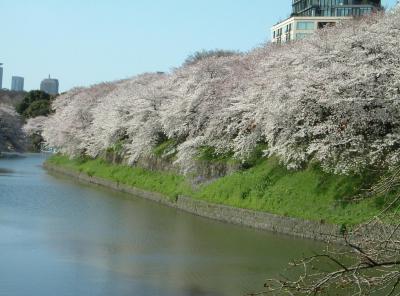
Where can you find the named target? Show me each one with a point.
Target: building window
(302, 35)
(305, 26)
(288, 28)
(322, 25)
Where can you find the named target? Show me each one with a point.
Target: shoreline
(318, 231)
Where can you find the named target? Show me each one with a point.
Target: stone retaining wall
(203, 171)
(259, 220)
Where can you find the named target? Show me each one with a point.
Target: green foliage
(208, 153)
(255, 156)
(35, 141)
(35, 103)
(116, 148)
(343, 229)
(37, 108)
(166, 149)
(114, 153)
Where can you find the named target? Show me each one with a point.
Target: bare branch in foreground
(368, 262)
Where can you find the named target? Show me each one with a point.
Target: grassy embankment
(266, 186)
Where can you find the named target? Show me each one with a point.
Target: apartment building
(310, 15)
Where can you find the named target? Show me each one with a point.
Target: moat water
(60, 237)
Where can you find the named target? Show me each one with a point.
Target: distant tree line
(14, 110)
(35, 103)
(34, 108)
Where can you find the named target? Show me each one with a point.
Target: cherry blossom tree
(34, 125)
(11, 136)
(332, 98)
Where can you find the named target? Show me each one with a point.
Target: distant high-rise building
(17, 83)
(1, 76)
(49, 86)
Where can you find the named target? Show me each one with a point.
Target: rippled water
(59, 237)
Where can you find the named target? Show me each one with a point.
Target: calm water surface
(59, 237)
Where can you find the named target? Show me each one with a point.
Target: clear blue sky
(82, 42)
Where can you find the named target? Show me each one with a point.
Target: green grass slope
(267, 186)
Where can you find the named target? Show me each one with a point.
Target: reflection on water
(59, 237)
(5, 171)
(8, 155)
